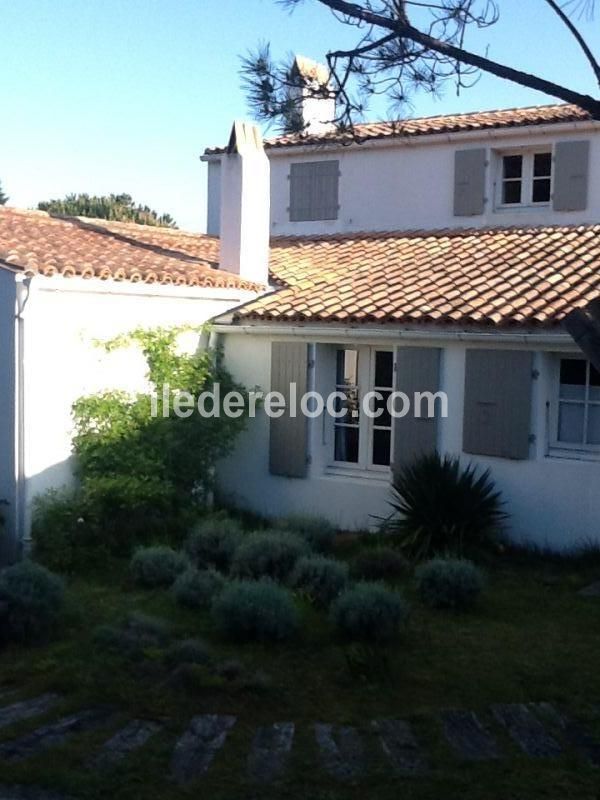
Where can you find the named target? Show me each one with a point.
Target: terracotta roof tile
(42, 244)
(447, 123)
(496, 276)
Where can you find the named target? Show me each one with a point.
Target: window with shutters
(361, 440)
(524, 179)
(314, 191)
(576, 422)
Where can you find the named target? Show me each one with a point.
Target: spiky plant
(440, 507)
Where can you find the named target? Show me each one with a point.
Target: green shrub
(321, 578)
(65, 536)
(369, 612)
(255, 611)
(188, 651)
(196, 588)
(379, 564)
(213, 542)
(440, 507)
(157, 566)
(269, 554)
(33, 598)
(134, 636)
(318, 532)
(449, 583)
(74, 530)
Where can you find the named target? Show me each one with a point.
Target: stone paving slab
(340, 750)
(399, 744)
(25, 709)
(270, 751)
(468, 736)
(53, 734)
(133, 736)
(196, 749)
(593, 590)
(28, 793)
(526, 730)
(574, 732)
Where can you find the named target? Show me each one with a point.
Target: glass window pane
(572, 378)
(384, 369)
(511, 192)
(542, 164)
(346, 444)
(541, 190)
(347, 368)
(513, 166)
(384, 420)
(349, 404)
(570, 423)
(593, 427)
(382, 441)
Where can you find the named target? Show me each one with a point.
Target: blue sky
(123, 95)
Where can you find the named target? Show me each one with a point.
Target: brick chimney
(245, 205)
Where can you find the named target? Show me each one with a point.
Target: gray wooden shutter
(497, 405)
(314, 190)
(469, 182)
(417, 370)
(571, 166)
(288, 438)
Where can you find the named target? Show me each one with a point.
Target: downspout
(22, 296)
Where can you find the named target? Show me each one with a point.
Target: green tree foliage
(116, 207)
(142, 471)
(3, 197)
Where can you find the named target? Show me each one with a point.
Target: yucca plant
(442, 508)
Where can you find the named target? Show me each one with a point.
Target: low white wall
(63, 318)
(553, 501)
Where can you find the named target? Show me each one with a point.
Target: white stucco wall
(63, 317)
(409, 184)
(553, 501)
(8, 443)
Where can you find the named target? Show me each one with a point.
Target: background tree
(119, 207)
(3, 197)
(404, 46)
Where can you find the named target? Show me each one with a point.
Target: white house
(435, 254)
(64, 285)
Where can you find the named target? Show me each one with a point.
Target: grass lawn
(532, 638)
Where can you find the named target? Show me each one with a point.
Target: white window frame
(366, 425)
(557, 446)
(527, 178)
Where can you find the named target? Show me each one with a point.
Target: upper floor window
(578, 417)
(314, 190)
(525, 179)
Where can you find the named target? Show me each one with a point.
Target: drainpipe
(22, 296)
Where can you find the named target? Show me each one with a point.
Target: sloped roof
(498, 277)
(38, 243)
(421, 126)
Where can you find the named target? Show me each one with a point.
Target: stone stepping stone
(593, 590)
(340, 750)
(196, 749)
(526, 730)
(468, 736)
(400, 746)
(28, 793)
(133, 736)
(51, 735)
(25, 709)
(270, 750)
(573, 732)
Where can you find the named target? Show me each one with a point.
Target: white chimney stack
(245, 205)
(313, 101)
